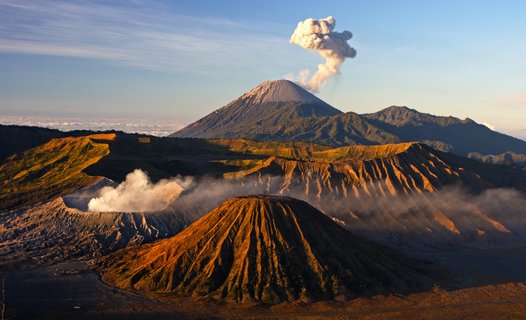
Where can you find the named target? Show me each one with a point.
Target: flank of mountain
(463, 136)
(379, 170)
(54, 231)
(508, 158)
(264, 249)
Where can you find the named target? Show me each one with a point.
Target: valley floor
(72, 291)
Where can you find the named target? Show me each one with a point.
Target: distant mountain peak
(269, 104)
(280, 91)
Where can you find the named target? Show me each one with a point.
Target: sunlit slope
(391, 193)
(382, 170)
(265, 249)
(52, 169)
(396, 194)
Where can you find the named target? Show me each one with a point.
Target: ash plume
(136, 194)
(318, 35)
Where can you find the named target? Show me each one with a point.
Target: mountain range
(281, 110)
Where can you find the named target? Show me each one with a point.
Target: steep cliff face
(264, 249)
(357, 172)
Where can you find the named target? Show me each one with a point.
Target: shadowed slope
(267, 249)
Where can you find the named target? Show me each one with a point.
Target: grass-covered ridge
(52, 169)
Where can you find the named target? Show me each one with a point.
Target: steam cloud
(318, 35)
(136, 194)
(406, 215)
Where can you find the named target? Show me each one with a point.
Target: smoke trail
(318, 35)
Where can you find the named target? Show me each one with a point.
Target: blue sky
(182, 59)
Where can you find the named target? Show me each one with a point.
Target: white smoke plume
(136, 194)
(318, 35)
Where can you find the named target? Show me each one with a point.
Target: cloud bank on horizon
(154, 127)
(318, 35)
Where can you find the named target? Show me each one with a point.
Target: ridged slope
(338, 130)
(264, 249)
(366, 170)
